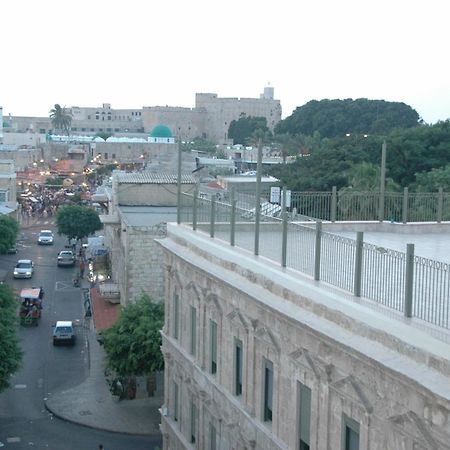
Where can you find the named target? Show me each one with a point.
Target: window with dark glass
(304, 416)
(212, 437)
(350, 434)
(213, 337)
(193, 330)
(268, 391)
(175, 401)
(176, 316)
(238, 361)
(193, 422)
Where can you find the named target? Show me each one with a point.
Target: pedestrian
(81, 268)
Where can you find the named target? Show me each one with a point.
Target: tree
(77, 222)
(287, 145)
(332, 118)
(433, 180)
(10, 352)
(132, 345)
(61, 118)
(8, 233)
(241, 130)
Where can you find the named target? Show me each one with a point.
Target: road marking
(20, 386)
(12, 440)
(64, 286)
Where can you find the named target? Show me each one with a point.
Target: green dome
(161, 131)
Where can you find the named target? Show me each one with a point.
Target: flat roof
(147, 216)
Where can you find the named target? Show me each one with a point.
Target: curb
(95, 427)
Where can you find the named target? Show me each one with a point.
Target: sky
(138, 53)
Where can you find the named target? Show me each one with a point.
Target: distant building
(8, 194)
(140, 205)
(209, 119)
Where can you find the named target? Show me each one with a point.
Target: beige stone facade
(259, 357)
(8, 190)
(141, 204)
(209, 119)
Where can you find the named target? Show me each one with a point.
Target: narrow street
(46, 369)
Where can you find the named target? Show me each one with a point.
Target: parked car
(66, 258)
(64, 333)
(12, 250)
(45, 237)
(24, 268)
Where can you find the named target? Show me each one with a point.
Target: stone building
(8, 190)
(209, 119)
(261, 357)
(141, 203)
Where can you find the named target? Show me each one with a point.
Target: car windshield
(46, 233)
(66, 255)
(63, 329)
(23, 265)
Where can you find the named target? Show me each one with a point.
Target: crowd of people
(44, 202)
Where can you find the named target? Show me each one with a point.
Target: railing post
(333, 204)
(212, 217)
(358, 264)
(409, 279)
(317, 250)
(284, 239)
(258, 196)
(179, 187)
(440, 205)
(405, 205)
(194, 211)
(233, 222)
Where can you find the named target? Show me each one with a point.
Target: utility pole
(382, 182)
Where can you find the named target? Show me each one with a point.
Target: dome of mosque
(161, 131)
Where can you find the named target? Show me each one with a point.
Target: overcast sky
(139, 53)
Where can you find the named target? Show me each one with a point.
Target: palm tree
(61, 118)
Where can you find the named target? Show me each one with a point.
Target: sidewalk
(90, 403)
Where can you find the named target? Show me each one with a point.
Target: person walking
(82, 268)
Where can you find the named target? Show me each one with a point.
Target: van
(64, 333)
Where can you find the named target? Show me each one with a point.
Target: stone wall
(366, 370)
(145, 268)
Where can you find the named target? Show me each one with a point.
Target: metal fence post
(358, 264)
(440, 205)
(212, 217)
(258, 196)
(194, 211)
(233, 222)
(179, 187)
(405, 205)
(317, 250)
(333, 204)
(409, 279)
(284, 239)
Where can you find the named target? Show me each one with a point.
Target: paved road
(24, 422)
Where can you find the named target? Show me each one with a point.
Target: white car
(64, 333)
(66, 258)
(24, 268)
(45, 237)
